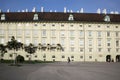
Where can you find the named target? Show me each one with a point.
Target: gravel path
(61, 71)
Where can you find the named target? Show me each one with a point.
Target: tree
(31, 49)
(39, 46)
(15, 46)
(59, 47)
(2, 50)
(48, 47)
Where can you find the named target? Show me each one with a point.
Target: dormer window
(35, 17)
(107, 18)
(71, 18)
(3, 17)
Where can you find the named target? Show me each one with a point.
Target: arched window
(35, 17)
(70, 18)
(107, 18)
(3, 17)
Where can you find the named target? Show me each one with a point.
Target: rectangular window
(108, 26)
(108, 34)
(27, 32)
(63, 56)
(90, 42)
(109, 49)
(108, 42)
(53, 56)
(99, 33)
(53, 41)
(117, 34)
(27, 41)
(43, 32)
(72, 56)
(99, 49)
(81, 57)
(90, 49)
(62, 33)
(81, 49)
(80, 25)
(44, 56)
(43, 41)
(11, 32)
(72, 49)
(117, 43)
(116, 26)
(2, 32)
(53, 24)
(81, 33)
(35, 42)
(99, 42)
(35, 32)
(90, 57)
(90, 33)
(62, 25)
(53, 32)
(81, 42)
(19, 32)
(62, 41)
(2, 40)
(71, 33)
(117, 49)
(72, 41)
(89, 25)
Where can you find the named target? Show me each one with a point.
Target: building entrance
(108, 58)
(118, 58)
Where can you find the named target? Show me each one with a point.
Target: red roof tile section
(58, 16)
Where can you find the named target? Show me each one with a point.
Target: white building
(83, 36)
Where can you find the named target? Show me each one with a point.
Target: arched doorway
(20, 59)
(108, 58)
(118, 58)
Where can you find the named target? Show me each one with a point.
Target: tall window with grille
(108, 42)
(90, 42)
(117, 43)
(44, 32)
(89, 33)
(99, 33)
(108, 34)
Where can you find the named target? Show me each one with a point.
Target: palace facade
(83, 36)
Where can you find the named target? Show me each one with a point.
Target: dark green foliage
(31, 49)
(3, 50)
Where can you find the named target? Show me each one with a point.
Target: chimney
(104, 11)
(23, 10)
(55, 10)
(111, 12)
(78, 11)
(8, 10)
(34, 9)
(68, 11)
(26, 10)
(98, 11)
(42, 9)
(116, 12)
(81, 11)
(65, 10)
(50, 10)
(18, 11)
(71, 11)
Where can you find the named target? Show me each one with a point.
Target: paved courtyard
(61, 71)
